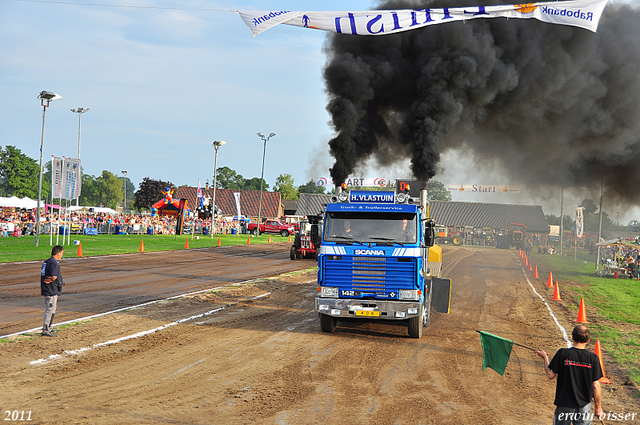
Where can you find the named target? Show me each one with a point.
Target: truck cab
(374, 263)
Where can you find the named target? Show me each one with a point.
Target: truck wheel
(327, 323)
(284, 233)
(414, 326)
(292, 253)
(457, 240)
(255, 232)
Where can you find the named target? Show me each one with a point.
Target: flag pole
(515, 343)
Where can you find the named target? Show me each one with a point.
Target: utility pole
(600, 225)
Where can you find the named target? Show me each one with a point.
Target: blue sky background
(163, 84)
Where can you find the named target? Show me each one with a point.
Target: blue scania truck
(374, 261)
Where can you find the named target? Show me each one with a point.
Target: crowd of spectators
(21, 223)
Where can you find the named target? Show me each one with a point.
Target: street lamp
(79, 111)
(216, 146)
(124, 185)
(264, 150)
(45, 97)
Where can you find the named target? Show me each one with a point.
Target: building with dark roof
(312, 204)
(290, 206)
(249, 201)
(493, 216)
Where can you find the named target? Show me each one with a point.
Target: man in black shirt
(578, 372)
(51, 287)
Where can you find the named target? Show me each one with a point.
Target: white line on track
(82, 319)
(555, 319)
(133, 336)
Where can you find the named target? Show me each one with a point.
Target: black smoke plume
(547, 104)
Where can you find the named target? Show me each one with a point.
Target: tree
(130, 191)
(310, 187)
(589, 206)
(229, 179)
(254, 184)
(89, 192)
(109, 189)
(150, 192)
(437, 191)
(19, 174)
(285, 185)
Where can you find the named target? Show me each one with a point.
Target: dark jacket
(50, 268)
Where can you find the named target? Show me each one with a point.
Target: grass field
(616, 301)
(23, 249)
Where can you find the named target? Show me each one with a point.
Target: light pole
(264, 151)
(48, 97)
(124, 185)
(216, 146)
(79, 111)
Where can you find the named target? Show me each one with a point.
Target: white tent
(95, 209)
(15, 202)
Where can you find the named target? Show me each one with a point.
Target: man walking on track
(50, 287)
(578, 372)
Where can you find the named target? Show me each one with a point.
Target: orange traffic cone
(550, 280)
(556, 292)
(249, 240)
(186, 244)
(530, 268)
(582, 314)
(598, 351)
(141, 245)
(526, 260)
(535, 272)
(520, 252)
(289, 238)
(219, 241)
(269, 240)
(80, 250)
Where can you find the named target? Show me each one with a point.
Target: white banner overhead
(578, 13)
(483, 188)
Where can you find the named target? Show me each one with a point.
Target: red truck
(270, 226)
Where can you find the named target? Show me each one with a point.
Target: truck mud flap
(441, 295)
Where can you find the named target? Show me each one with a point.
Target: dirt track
(264, 360)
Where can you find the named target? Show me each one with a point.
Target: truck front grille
(371, 276)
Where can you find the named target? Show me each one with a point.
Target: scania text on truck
(374, 262)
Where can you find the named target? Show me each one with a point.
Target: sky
(164, 81)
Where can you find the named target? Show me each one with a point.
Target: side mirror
(429, 233)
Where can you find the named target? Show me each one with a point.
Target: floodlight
(48, 96)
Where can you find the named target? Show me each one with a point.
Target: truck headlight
(408, 294)
(329, 292)
(343, 196)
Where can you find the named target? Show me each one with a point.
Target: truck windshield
(379, 228)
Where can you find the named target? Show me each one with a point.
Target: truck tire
(284, 233)
(414, 326)
(327, 323)
(254, 232)
(457, 240)
(292, 253)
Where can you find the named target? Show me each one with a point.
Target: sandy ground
(254, 353)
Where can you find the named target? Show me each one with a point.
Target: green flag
(495, 352)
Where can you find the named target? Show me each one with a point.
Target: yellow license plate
(367, 313)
